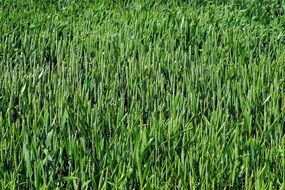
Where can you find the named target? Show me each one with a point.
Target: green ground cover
(142, 94)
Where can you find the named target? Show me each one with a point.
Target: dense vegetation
(142, 94)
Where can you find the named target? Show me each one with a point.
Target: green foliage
(142, 94)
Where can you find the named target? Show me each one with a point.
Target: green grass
(142, 94)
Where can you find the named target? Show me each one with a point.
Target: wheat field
(142, 94)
